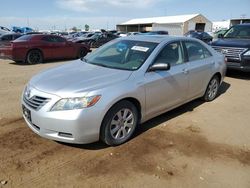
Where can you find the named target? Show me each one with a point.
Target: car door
(200, 62)
(166, 89)
(47, 47)
(61, 48)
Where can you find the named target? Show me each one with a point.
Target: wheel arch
(133, 100)
(31, 49)
(79, 51)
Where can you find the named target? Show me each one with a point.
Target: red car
(36, 48)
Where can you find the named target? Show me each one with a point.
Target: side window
(59, 39)
(172, 53)
(206, 52)
(196, 51)
(47, 39)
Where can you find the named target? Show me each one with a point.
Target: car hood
(239, 43)
(76, 78)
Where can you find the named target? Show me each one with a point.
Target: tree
(86, 27)
(74, 29)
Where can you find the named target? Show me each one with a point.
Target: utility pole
(28, 22)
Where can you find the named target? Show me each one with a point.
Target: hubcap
(34, 57)
(122, 124)
(212, 89)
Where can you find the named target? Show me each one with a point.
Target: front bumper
(73, 126)
(241, 65)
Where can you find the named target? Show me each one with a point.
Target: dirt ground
(197, 145)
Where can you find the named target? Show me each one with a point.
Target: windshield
(238, 31)
(122, 54)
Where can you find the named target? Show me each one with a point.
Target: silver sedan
(126, 82)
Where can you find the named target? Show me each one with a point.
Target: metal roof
(154, 38)
(161, 20)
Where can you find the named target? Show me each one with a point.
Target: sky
(62, 14)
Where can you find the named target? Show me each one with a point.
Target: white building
(221, 25)
(228, 23)
(175, 25)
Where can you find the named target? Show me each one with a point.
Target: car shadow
(189, 107)
(238, 74)
(45, 62)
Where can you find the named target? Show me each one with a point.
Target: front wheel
(119, 123)
(82, 53)
(212, 89)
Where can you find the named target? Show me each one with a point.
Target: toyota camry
(116, 88)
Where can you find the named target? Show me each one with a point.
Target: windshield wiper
(102, 65)
(84, 59)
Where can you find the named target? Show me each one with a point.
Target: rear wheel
(34, 57)
(119, 123)
(212, 89)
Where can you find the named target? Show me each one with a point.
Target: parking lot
(196, 145)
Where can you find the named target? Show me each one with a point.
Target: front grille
(36, 102)
(230, 52)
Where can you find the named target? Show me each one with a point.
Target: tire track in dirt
(6, 121)
(150, 153)
(142, 154)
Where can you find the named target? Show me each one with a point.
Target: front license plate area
(27, 113)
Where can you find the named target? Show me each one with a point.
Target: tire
(212, 89)
(34, 57)
(119, 123)
(82, 53)
(93, 44)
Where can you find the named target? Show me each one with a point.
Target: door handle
(185, 71)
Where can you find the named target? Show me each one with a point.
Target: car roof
(153, 38)
(39, 36)
(244, 24)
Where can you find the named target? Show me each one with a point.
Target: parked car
(7, 38)
(22, 29)
(120, 85)
(121, 34)
(219, 32)
(39, 47)
(155, 33)
(235, 45)
(82, 38)
(204, 36)
(98, 39)
(4, 30)
(133, 33)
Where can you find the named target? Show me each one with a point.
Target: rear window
(24, 38)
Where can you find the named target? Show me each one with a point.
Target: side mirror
(220, 36)
(159, 67)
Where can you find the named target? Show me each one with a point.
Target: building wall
(190, 25)
(221, 25)
(134, 28)
(173, 29)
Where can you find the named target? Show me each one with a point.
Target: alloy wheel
(122, 124)
(213, 88)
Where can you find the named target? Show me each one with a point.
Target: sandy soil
(197, 145)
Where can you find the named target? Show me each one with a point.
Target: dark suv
(235, 45)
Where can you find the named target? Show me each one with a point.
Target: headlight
(247, 53)
(75, 103)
